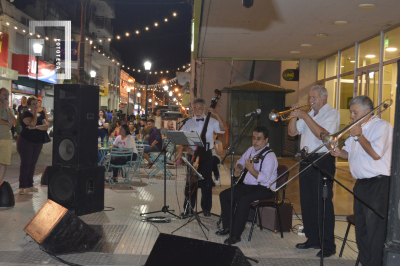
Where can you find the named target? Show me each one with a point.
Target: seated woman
(124, 140)
(114, 132)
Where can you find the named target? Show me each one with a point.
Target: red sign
(122, 105)
(3, 49)
(26, 67)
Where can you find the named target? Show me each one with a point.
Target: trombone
(274, 115)
(331, 141)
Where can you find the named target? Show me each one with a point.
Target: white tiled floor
(128, 240)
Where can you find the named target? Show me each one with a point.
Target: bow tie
(201, 119)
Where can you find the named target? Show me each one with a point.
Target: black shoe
(207, 214)
(327, 252)
(234, 240)
(307, 245)
(222, 232)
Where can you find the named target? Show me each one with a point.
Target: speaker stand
(165, 208)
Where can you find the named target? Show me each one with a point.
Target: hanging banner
(26, 67)
(3, 49)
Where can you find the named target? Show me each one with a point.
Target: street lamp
(92, 75)
(37, 50)
(139, 103)
(147, 67)
(128, 89)
(170, 94)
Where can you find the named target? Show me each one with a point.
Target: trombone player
(369, 151)
(321, 119)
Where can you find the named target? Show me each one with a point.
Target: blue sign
(24, 89)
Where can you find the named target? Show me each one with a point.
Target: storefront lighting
(174, 99)
(341, 22)
(156, 103)
(165, 87)
(370, 56)
(150, 100)
(391, 49)
(138, 94)
(352, 61)
(170, 93)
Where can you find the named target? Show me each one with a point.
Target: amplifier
(269, 217)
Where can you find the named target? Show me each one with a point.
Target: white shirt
(328, 118)
(380, 134)
(213, 126)
(157, 122)
(128, 142)
(268, 171)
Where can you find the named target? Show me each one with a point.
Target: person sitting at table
(114, 132)
(124, 140)
(155, 141)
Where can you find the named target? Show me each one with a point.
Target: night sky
(167, 46)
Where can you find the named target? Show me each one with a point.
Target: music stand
(189, 139)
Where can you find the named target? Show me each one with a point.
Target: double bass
(200, 152)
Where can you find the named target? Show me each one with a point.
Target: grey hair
(322, 90)
(364, 101)
(199, 100)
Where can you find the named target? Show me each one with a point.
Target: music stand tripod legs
(164, 209)
(195, 215)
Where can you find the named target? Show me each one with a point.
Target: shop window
(369, 52)
(392, 44)
(345, 96)
(347, 60)
(389, 90)
(331, 66)
(331, 88)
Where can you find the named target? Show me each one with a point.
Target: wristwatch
(356, 137)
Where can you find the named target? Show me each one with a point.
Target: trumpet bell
(274, 116)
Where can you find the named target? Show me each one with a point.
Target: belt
(371, 178)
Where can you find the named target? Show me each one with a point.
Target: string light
(166, 20)
(118, 37)
(174, 14)
(156, 24)
(137, 32)
(15, 27)
(127, 34)
(109, 39)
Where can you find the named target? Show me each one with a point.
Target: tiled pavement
(127, 240)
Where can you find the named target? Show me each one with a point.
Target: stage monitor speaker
(171, 250)
(6, 196)
(393, 230)
(269, 218)
(80, 190)
(75, 134)
(60, 231)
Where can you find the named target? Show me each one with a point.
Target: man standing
(7, 120)
(255, 184)
(369, 151)
(21, 110)
(155, 141)
(214, 125)
(321, 119)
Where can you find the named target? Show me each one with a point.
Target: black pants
(370, 228)
(121, 161)
(29, 153)
(206, 185)
(215, 169)
(311, 184)
(243, 195)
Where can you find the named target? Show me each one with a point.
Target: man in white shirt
(321, 119)
(214, 125)
(255, 184)
(369, 151)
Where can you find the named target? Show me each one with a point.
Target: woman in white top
(124, 140)
(157, 119)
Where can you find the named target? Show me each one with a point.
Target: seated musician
(255, 184)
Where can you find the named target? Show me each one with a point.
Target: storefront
(26, 83)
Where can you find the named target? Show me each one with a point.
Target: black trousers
(243, 195)
(120, 160)
(206, 185)
(370, 229)
(311, 183)
(215, 169)
(29, 153)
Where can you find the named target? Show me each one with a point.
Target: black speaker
(75, 134)
(80, 190)
(171, 250)
(392, 251)
(60, 231)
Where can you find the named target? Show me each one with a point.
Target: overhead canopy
(257, 86)
(271, 29)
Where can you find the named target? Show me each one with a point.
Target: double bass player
(205, 168)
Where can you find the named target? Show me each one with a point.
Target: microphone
(302, 152)
(256, 112)
(184, 120)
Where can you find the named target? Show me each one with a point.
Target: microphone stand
(231, 152)
(327, 176)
